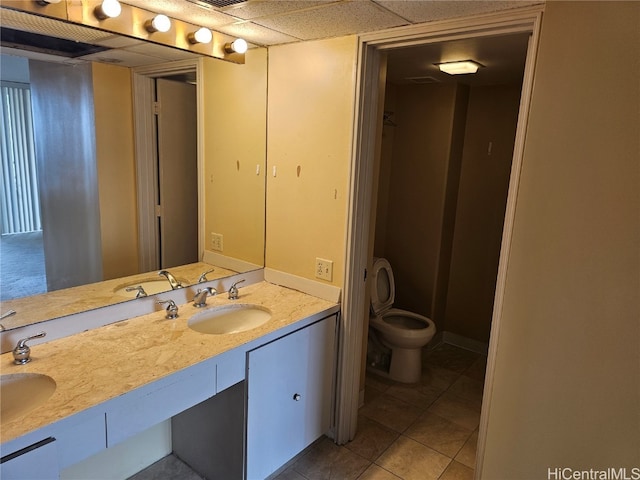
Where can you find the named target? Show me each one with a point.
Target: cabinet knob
(297, 396)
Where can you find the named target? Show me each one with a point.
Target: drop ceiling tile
(264, 8)
(162, 52)
(123, 58)
(418, 11)
(190, 12)
(118, 41)
(337, 19)
(256, 34)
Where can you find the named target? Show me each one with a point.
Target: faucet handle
(203, 277)
(172, 308)
(140, 291)
(22, 352)
(233, 290)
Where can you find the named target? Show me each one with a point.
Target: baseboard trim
(229, 263)
(330, 293)
(465, 342)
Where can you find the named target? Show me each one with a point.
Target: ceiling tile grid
(336, 19)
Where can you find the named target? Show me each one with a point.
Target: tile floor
(421, 431)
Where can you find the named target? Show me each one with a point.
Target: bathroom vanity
(118, 380)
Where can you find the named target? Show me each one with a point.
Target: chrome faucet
(200, 299)
(233, 291)
(203, 277)
(175, 284)
(22, 352)
(172, 308)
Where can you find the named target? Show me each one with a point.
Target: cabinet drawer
(230, 369)
(39, 461)
(153, 404)
(79, 440)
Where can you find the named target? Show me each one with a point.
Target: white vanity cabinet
(37, 461)
(289, 396)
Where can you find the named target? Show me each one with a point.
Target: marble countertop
(95, 366)
(67, 301)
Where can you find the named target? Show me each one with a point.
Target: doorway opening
(167, 163)
(374, 52)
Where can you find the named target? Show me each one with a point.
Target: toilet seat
(383, 291)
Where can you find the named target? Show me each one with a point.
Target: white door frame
(146, 152)
(368, 114)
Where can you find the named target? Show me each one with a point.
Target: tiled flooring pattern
(423, 431)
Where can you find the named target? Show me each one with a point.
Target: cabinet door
(290, 392)
(39, 461)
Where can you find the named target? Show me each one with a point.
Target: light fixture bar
(459, 67)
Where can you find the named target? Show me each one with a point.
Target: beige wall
(234, 144)
(310, 123)
(566, 390)
(116, 169)
(412, 190)
(484, 181)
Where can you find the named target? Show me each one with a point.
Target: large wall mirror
(142, 158)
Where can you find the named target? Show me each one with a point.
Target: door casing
(367, 127)
(146, 167)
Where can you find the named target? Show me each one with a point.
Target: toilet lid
(383, 290)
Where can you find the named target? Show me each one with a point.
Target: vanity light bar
(126, 18)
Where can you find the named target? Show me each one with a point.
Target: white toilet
(403, 332)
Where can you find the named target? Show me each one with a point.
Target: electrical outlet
(216, 241)
(324, 269)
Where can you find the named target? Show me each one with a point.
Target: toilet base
(406, 365)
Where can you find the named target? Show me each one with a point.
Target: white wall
(566, 389)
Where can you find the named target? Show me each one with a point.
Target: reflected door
(177, 172)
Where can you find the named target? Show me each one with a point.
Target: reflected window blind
(20, 209)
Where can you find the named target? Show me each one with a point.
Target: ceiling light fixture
(237, 46)
(159, 23)
(460, 67)
(108, 9)
(202, 35)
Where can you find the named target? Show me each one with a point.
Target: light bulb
(237, 46)
(202, 35)
(159, 23)
(108, 9)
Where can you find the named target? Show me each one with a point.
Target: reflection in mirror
(82, 225)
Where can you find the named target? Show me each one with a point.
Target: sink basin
(229, 319)
(150, 286)
(22, 392)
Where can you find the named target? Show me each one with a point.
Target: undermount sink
(229, 319)
(151, 287)
(22, 392)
